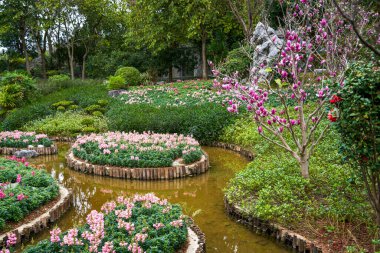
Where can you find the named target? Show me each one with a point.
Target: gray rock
(267, 43)
(26, 153)
(115, 93)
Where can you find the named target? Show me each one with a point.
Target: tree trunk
(170, 73)
(26, 55)
(70, 52)
(204, 57)
(304, 167)
(43, 64)
(84, 66)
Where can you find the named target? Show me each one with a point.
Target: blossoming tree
(305, 78)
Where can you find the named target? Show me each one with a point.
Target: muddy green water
(201, 196)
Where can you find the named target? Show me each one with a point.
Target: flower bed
(22, 190)
(135, 150)
(143, 223)
(18, 139)
(178, 95)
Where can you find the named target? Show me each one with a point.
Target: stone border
(162, 173)
(63, 139)
(299, 243)
(41, 151)
(197, 239)
(244, 152)
(25, 231)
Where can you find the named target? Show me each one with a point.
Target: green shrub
(92, 108)
(204, 122)
(116, 83)
(97, 113)
(37, 187)
(64, 104)
(102, 102)
(238, 59)
(15, 90)
(46, 87)
(82, 96)
(59, 78)
(87, 121)
(74, 107)
(131, 75)
(66, 124)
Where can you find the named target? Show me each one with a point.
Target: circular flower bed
(143, 223)
(18, 139)
(22, 190)
(135, 150)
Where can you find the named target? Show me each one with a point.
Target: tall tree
(247, 13)
(157, 25)
(14, 17)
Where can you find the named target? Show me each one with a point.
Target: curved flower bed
(18, 139)
(143, 223)
(135, 150)
(22, 190)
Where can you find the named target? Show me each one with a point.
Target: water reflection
(201, 196)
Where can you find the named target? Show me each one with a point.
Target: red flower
(335, 99)
(331, 117)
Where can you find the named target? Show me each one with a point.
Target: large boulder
(267, 43)
(26, 153)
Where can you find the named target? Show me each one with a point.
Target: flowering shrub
(143, 223)
(23, 189)
(136, 150)
(18, 139)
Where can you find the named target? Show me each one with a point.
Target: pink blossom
(11, 240)
(54, 235)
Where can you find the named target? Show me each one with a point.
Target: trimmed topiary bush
(131, 75)
(116, 83)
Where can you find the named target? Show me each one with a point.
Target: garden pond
(200, 197)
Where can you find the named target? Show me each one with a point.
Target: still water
(200, 196)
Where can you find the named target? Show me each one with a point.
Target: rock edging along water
(196, 239)
(298, 242)
(40, 150)
(243, 152)
(163, 173)
(25, 231)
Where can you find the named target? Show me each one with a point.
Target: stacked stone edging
(41, 151)
(299, 243)
(244, 152)
(201, 247)
(163, 173)
(63, 139)
(25, 231)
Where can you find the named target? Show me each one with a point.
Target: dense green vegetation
(23, 189)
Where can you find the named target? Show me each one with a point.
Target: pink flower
(20, 197)
(12, 239)
(18, 180)
(54, 235)
(157, 226)
(260, 129)
(2, 194)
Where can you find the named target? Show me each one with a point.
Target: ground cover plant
(82, 96)
(23, 189)
(142, 223)
(139, 150)
(332, 203)
(69, 123)
(18, 139)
